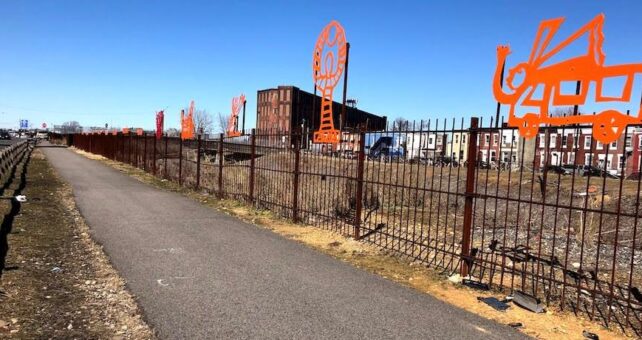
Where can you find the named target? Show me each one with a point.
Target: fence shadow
(7, 222)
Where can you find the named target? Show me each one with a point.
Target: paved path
(199, 273)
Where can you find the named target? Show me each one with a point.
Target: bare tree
(562, 111)
(71, 127)
(400, 124)
(173, 132)
(222, 120)
(203, 121)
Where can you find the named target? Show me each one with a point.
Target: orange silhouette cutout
(608, 125)
(233, 122)
(187, 123)
(125, 131)
(327, 70)
(139, 132)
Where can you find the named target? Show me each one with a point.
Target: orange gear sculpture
(327, 69)
(589, 68)
(187, 123)
(233, 122)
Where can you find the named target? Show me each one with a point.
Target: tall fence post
(137, 151)
(129, 156)
(154, 156)
(180, 161)
(295, 179)
(165, 158)
(122, 147)
(361, 158)
(145, 152)
(467, 261)
(198, 162)
(252, 168)
(220, 166)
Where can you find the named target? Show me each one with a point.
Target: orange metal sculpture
(139, 132)
(327, 69)
(233, 123)
(125, 131)
(589, 68)
(187, 123)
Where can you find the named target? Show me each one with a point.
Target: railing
(569, 238)
(10, 155)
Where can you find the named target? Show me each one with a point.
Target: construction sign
(535, 85)
(328, 64)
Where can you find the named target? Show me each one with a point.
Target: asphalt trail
(199, 273)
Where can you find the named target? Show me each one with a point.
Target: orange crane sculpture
(588, 68)
(327, 69)
(233, 123)
(187, 123)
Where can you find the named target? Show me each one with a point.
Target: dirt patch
(57, 282)
(554, 324)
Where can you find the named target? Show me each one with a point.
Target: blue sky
(118, 62)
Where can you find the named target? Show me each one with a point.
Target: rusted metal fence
(553, 217)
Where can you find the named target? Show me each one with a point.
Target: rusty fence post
(295, 180)
(165, 158)
(137, 156)
(180, 161)
(220, 166)
(198, 162)
(129, 154)
(252, 167)
(154, 155)
(122, 147)
(360, 170)
(467, 261)
(145, 152)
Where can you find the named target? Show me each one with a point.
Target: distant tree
(222, 120)
(71, 127)
(203, 121)
(400, 124)
(562, 111)
(172, 132)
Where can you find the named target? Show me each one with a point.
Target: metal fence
(466, 198)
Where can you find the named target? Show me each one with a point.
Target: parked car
(446, 161)
(4, 135)
(560, 170)
(483, 165)
(597, 172)
(571, 167)
(42, 135)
